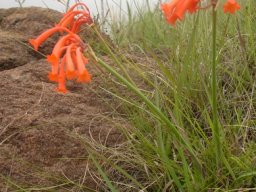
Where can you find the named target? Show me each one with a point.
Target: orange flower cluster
(67, 59)
(176, 9)
(231, 6)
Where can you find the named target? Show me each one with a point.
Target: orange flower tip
(85, 77)
(62, 90)
(231, 6)
(71, 75)
(172, 19)
(52, 59)
(34, 43)
(53, 77)
(176, 9)
(165, 7)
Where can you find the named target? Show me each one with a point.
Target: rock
(43, 134)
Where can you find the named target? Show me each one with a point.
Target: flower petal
(231, 6)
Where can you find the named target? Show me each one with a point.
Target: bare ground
(42, 132)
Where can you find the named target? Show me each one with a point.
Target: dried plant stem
(20, 2)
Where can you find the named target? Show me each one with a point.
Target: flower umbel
(231, 6)
(67, 59)
(176, 9)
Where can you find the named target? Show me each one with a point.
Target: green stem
(216, 128)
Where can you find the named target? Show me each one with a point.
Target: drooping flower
(67, 59)
(77, 24)
(83, 75)
(76, 5)
(62, 77)
(57, 50)
(53, 75)
(69, 18)
(231, 6)
(45, 35)
(176, 9)
(70, 67)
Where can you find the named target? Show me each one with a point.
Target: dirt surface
(42, 132)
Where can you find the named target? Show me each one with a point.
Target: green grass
(170, 141)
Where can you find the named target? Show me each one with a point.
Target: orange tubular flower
(70, 68)
(231, 6)
(53, 75)
(57, 50)
(39, 40)
(83, 75)
(168, 9)
(176, 9)
(62, 77)
(78, 23)
(69, 18)
(76, 39)
(78, 4)
(69, 47)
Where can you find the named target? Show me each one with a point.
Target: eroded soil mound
(42, 131)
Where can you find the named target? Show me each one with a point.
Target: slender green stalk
(216, 128)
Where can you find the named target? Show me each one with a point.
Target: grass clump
(170, 144)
